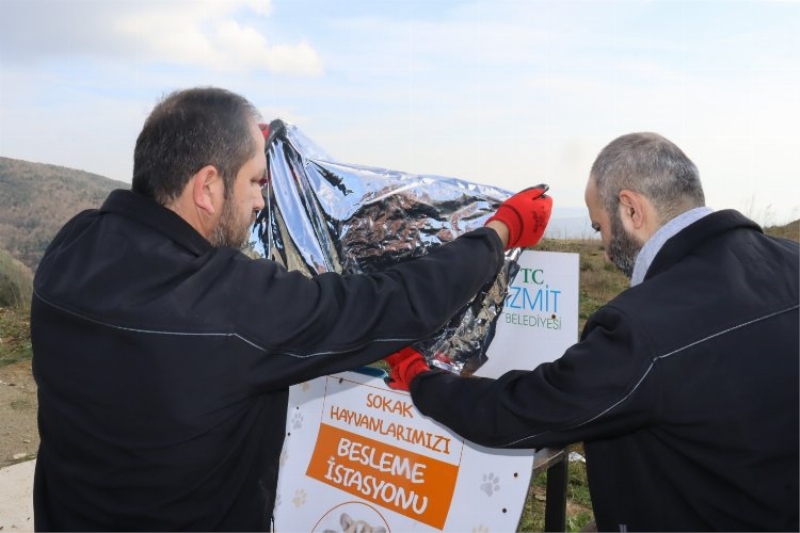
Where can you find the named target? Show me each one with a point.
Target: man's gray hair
(652, 166)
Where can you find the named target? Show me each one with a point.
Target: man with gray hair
(683, 388)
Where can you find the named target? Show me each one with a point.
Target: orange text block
(408, 483)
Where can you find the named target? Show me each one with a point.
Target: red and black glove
(404, 367)
(526, 215)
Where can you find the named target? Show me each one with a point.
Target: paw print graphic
(299, 498)
(480, 528)
(491, 483)
(305, 386)
(297, 420)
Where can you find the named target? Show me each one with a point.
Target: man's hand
(404, 367)
(525, 215)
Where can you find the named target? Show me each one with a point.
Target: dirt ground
(19, 435)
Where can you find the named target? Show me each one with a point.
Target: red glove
(525, 215)
(405, 365)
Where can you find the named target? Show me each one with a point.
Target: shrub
(16, 282)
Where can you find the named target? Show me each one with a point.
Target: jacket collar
(696, 234)
(653, 245)
(148, 212)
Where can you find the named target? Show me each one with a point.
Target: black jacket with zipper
(684, 390)
(163, 363)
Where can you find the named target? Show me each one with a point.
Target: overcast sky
(502, 92)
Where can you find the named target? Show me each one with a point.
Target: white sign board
(359, 457)
(540, 316)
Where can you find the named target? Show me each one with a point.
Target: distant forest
(37, 199)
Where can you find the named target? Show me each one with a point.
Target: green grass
(15, 335)
(579, 503)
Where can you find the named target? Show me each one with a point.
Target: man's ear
(206, 186)
(631, 208)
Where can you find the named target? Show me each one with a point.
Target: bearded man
(683, 388)
(163, 355)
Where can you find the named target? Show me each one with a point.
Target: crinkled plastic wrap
(325, 216)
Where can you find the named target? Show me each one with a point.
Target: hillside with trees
(37, 199)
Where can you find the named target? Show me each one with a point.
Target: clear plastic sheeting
(325, 216)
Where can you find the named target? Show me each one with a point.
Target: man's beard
(231, 231)
(622, 249)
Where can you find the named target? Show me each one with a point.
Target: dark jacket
(163, 364)
(684, 389)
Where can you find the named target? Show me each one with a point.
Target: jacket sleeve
(305, 328)
(601, 386)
